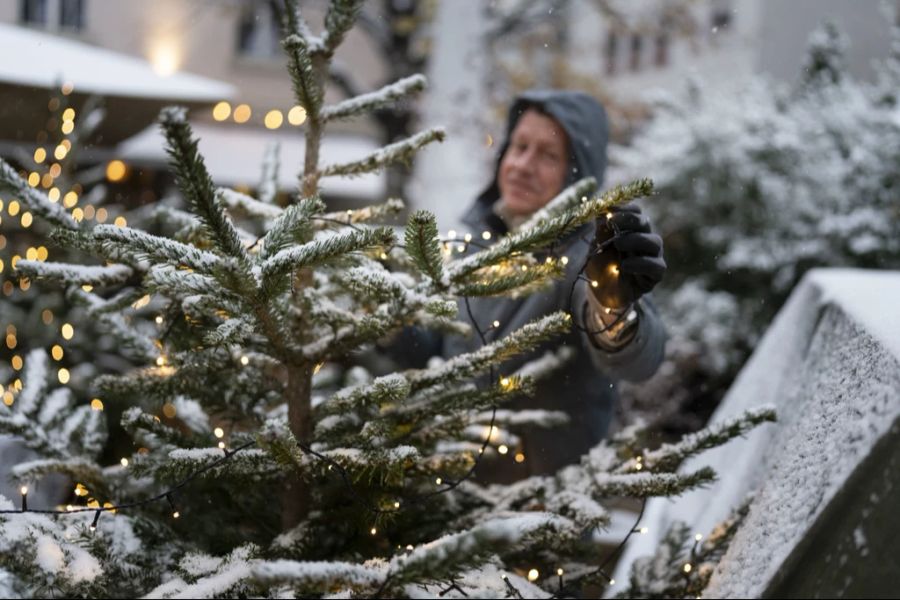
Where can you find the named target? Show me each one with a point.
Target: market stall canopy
(37, 65)
(234, 158)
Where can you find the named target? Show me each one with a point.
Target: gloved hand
(631, 265)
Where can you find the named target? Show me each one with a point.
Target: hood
(584, 121)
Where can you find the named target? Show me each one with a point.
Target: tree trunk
(296, 497)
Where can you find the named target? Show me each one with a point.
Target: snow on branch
(181, 463)
(178, 283)
(318, 575)
(325, 248)
(225, 579)
(401, 151)
(393, 206)
(291, 226)
(669, 457)
(423, 245)
(563, 202)
(389, 389)
(195, 182)
(525, 276)
(643, 485)
(307, 90)
(374, 100)
(79, 469)
(237, 201)
(32, 199)
(466, 365)
(131, 339)
(75, 274)
(339, 19)
(159, 248)
(296, 24)
(546, 232)
(445, 557)
(34, 381)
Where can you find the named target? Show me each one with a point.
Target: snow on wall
(830, 363)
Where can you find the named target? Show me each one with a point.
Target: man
(555, 138)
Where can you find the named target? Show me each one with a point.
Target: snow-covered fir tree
(758, 183)
(253, 472)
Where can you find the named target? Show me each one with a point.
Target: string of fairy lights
(444, 484)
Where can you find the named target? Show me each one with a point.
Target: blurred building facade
(621, 50)
(231, 41)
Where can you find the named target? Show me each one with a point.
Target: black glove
(629, 266)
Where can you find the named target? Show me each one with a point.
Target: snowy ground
(829, 363)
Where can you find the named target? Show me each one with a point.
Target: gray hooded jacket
(584, 387)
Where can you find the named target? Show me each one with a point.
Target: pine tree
(255, 472)
(757, 184)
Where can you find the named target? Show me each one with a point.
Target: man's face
(534, 167)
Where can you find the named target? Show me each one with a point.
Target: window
(612, 47)
(71, 14)
(661, 49)
(720, 17)
(637, 46)
(259, 30)
(55, 15)
(33, 12)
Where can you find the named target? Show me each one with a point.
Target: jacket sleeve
(638, 359)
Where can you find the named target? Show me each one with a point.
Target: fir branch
(252, 207)
(389, 389)
(441, 400)
(136, 422)
(525, 276)
(75, 274)
(136, 344)
(178, 283)
(294, 23)
(565, 201)
(366, 329)
(268, 181)
(643, 485)
(393, 206)
(232, 331)
(307, 89)
(33, 200)
(423, 245)
(446, 557)
(315, 576)
(85, 241)
(376, 100)
(181, 463)
(276, 439)
(522, 340)
(380, 285)
(549, 231)
(580, 507)
(292, 226)
(195, 183)
(339, 19)
(401, 151)
(34, 382)
(79, 469)
(669, 457)
(327, 248)
(159, 249)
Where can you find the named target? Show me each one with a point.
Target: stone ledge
(830, 363)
